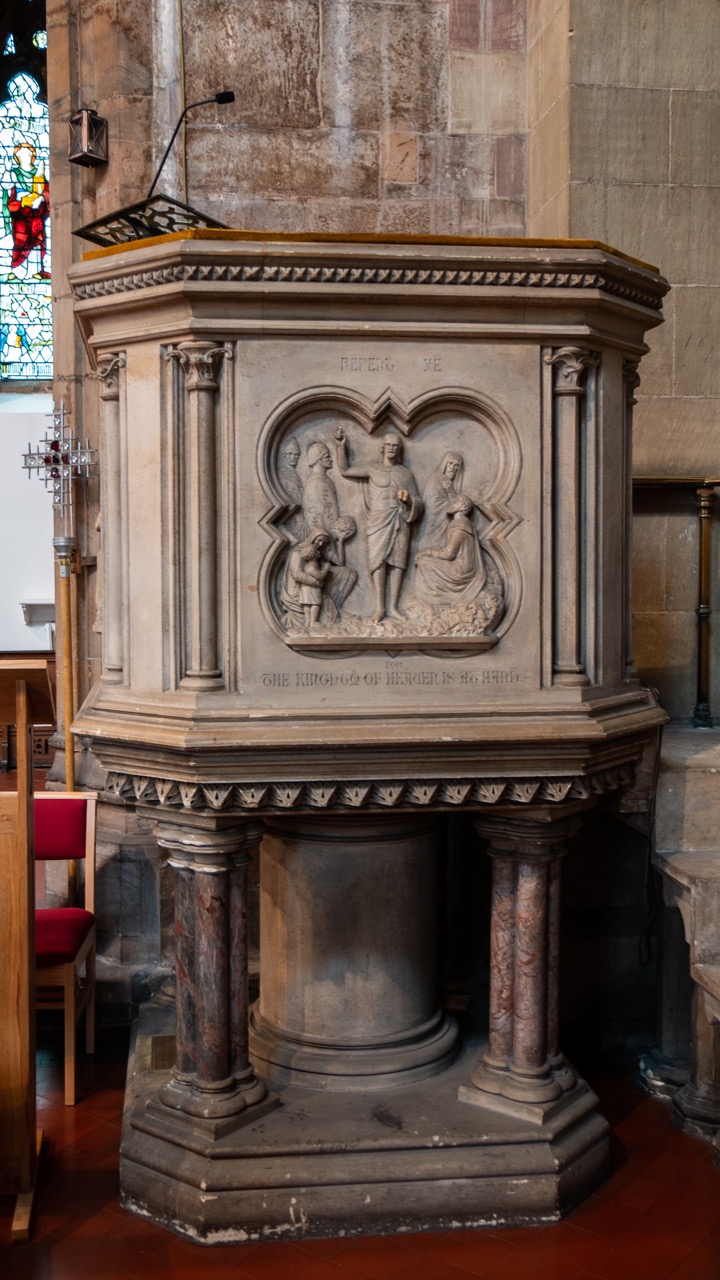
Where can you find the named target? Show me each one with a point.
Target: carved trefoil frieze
(347, 795)
(342, 274)
(390, 522)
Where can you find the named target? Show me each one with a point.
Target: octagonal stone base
(413, 1158)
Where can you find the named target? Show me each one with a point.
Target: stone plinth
(369, 564)
(359, 1010)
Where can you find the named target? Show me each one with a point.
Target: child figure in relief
(307, 570)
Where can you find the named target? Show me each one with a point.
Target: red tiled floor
(657, 1218)
(476, 1251)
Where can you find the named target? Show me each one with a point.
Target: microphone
(225, 96)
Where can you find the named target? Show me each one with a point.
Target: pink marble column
(212, 987)
(531, 969)
(212, 1084)
(186, 1030)
(522, 1062)
(562, 1070)
(253, 1090)
(502, 955)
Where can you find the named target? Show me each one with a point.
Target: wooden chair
(26, 698)
(65, 936)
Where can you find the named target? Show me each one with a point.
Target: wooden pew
(25, 698)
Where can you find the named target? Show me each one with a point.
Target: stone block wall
(645, 167)
(384, 116)
(361, 115)
(623, 128)
(549, 97)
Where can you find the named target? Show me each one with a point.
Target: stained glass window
(25, 292)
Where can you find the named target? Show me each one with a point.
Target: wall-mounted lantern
(88, 138)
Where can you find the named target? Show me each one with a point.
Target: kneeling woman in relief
(456, 573)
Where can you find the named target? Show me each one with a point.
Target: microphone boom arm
(226, 95)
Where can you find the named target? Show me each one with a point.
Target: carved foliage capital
(200, 362)
(571, 365)
(108, 374)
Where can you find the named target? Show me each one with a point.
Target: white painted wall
(26, 524)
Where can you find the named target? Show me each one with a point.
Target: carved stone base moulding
(359, 493)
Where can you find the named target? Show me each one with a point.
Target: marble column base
(531, 1096)
(211, 1112)
(696, 1111)
(511, 1097)
(512, 1082)
(662, 1076)
(327, 1163)
(563, 1072)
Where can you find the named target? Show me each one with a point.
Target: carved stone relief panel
(391, 522)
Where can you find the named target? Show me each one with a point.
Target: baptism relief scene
(386, 537)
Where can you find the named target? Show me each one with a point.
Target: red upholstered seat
(59, 934)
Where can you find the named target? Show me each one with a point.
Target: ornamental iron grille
(25, 291)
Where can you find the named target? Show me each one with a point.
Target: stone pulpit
(366, 534)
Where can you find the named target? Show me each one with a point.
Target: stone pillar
(351, 1003)
(522, 1063)
(200, 363)
(631, 382)
(666, 1067)
(112, 471)
(570, 365)
(212, 1086)
(696, 1106)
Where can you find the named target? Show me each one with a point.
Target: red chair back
(60, 828)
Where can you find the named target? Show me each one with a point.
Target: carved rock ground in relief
(383, 536)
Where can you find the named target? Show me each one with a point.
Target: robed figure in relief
(442, 487)
(393, 505)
